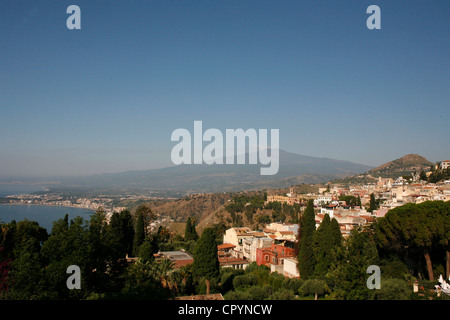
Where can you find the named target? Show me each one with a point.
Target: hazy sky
(106, 98)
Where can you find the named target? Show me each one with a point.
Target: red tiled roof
(225, 246)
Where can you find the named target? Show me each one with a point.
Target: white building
(290, 268)
(322, 199)
(251, 244)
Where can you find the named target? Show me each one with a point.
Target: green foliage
(37, 262)
(244, 204)
(373, 203)
(412, 226)
(139, 233)
(347, 279)
(393, 289)
(145, 251)
(120, 231)
(306, 258)
(206, 262)
(326, 238)
(351, 200)
(190, 232)
(313, 287)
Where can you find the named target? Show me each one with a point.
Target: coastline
(46, 205)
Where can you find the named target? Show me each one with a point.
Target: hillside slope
(404, 166)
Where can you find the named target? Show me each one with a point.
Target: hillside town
(274, 245)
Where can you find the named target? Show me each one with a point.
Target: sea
(44, 215)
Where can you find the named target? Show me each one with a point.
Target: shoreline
(46, 205)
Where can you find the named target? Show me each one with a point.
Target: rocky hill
(404, 166)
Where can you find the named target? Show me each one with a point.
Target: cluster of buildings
(55, 199)
(273, 247)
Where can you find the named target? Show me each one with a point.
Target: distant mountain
(221, 178)
(403, 166)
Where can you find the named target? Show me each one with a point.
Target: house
(445, 164)
(225, 253)
(283, 226)
(290, 198)
(225, 249)
(260, 240)
(323, 199)
(236, 237)
(232, 262)
(179, 258)
(290, 268)
(274, 255)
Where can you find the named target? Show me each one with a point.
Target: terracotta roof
(225, 246)
(232, 260)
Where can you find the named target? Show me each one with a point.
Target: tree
(326, 238)
(313, 287)
(66, 247)
(190, 233)
(145, 210)
(422, 226)
(423, 175)
(139, 233)
(372, 203)
(306, 259)
(206, 261)
(349, 275)
(393, 289)
(99, 250)
(146, 250)
(121, 233)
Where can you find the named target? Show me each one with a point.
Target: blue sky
(106, 98)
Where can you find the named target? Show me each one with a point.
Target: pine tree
(306, 259)
(206, 261)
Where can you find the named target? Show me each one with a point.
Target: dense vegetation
(410, 243)
(255, 212)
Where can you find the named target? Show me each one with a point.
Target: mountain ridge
(195, 178)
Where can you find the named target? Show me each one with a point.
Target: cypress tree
(335, 233)
(188, 229)
(194, 234)
(139, 233)
(306, 259)
(190, 233)
(206, 261)
(327, 237)
(323, 246)
(372, 204)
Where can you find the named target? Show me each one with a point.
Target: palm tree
(184, 272)
(164, 272)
